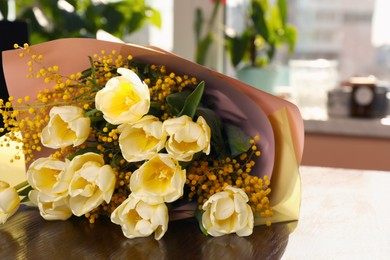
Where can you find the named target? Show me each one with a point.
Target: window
(339, 30)
(159, 37)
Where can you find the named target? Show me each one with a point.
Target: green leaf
(4, 9)
(155, 109)
(25, 199)
(116, 18)
(136, 22)
(203, 47)
(92, 16)
(83, 151)
(271, 51)
(259, 22)
(275, 25)
(25, 191)
(74, 23)
(198, 215)
(91, 112)
(198, 23)
(237, 47)
(176, 101)
(96, 118)
(73, 2)
(155, 17)
(282, 6)
(291, 37)
(85, 74)
(238, 141)
(192, 101)
(21, 185)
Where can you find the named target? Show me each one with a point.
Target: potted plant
(253, 51)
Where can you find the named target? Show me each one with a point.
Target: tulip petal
(224, 208)
(144, 227)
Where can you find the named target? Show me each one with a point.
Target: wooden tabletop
(345, 214)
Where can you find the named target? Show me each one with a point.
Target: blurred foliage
(53, 19)
(266, 30)
(204, 32)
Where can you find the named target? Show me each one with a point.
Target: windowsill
(357, 127)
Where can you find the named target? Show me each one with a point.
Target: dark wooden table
(345, 214)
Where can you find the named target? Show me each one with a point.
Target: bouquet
(144, 137)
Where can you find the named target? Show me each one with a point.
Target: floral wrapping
(276, 121)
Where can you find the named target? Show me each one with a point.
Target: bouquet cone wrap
(276, 121)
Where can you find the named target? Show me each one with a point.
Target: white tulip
(67, 126)
(51, 208)
(161, 179)
(187, 137)
(9, 201)
(140, 219)
(228, 212)
(92, 183)
(124, 99)
(141, 140)
(48, 175)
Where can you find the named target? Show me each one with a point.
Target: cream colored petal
(248, 228)
(160, 219)
(67, 113)
(144, 210)
(132, 77)
(224, 208)
(9, 200)
(144, 227)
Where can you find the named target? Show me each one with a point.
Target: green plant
(266, 30)
(4, 9)
(53, 19)
(205, 36)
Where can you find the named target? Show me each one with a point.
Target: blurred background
(331, 58)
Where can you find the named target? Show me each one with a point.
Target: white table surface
(345, 214)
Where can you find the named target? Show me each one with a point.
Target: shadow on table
(27, 236)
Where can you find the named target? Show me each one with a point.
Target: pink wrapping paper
(250, 108)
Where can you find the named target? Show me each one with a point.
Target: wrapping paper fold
(277, 121)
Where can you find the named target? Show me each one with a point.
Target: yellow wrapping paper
(284, 117)
(285, 185)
